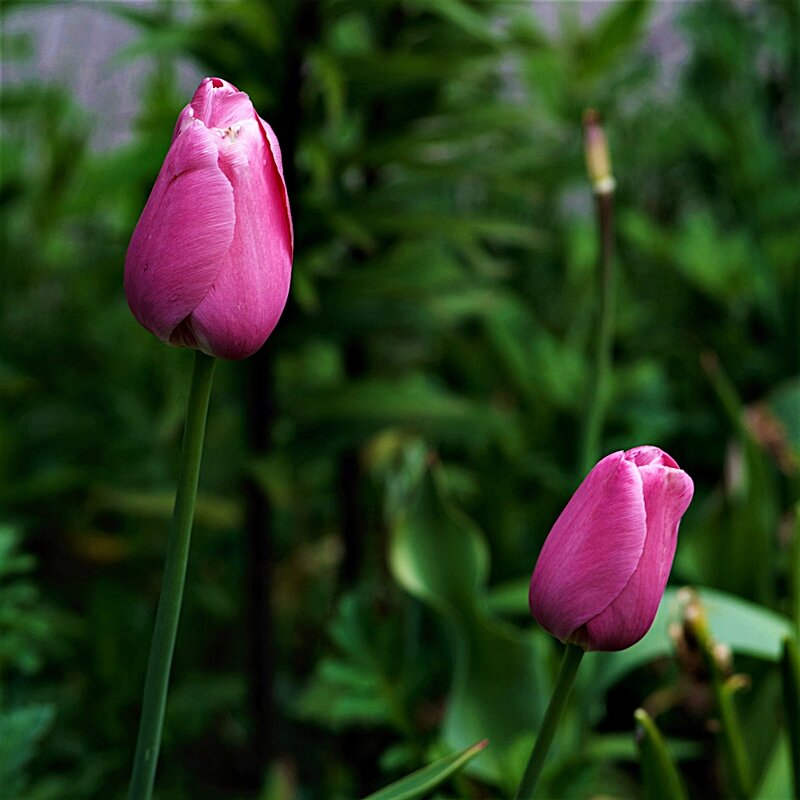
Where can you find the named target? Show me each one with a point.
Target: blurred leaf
(582, 780)
(438, 555)
(363, 683)
(617, 30)
(784, 401)
(745, 627)
(718, 262)
(21, 731)
(361, 408)
(463, 16)
(542, 366)
(26, 623)
(510, 599)
(777, 781)
(751, 499)
(217, 512)
(622, 747)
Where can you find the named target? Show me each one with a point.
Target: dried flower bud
(598, 158)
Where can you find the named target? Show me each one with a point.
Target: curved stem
(566, 677)
(169, 606)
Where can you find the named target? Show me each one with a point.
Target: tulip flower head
(604, 566)
(209, 263)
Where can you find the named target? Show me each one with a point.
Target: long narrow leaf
(423, 780)
(661, 778)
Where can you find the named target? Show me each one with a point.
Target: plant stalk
(601, 378)
(162, 646)
(738, 762)
(662, 780)
(790, 675)
(566, 677)
(795, 571)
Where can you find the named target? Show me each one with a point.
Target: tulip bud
(604, 566)
(209, 263)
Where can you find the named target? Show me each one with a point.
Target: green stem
(739, 772)
(795, 571)
(790, 674)
(661, 777)
(738, 761)
(169, 606)
(566, 677)
(599, 387)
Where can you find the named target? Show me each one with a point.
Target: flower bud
(210, 260)
(598, 157)
(604, 566)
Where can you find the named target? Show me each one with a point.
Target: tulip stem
(566, 677)
(169, 606)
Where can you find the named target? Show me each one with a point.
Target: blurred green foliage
(430, 377)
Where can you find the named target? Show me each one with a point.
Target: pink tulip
(604, 566)
(210, 261)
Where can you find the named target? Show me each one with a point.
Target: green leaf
(437, 554)
(661, 778)
(500, 677)
(462, 16)
(746, 627)
(784, 401)
(424, 780)
(777, 781)
(510, 598)
(21, 730)
(363, 682)
(617, 31)
(361, 408)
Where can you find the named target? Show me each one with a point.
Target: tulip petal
(575, 579)
(217, 104)
(667, 494)
(185, 119)
(647, 454)
(220, 104)
(247, 298)
(181, 240)
(275, 148)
